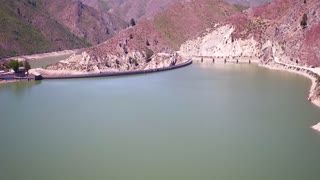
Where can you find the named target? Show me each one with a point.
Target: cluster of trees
(14, 64)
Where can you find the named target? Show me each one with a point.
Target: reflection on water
(19, 88)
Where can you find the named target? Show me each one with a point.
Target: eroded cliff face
(273, 30)
(136, 60)
(220, 43)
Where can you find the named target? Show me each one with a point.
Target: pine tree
(132, 22)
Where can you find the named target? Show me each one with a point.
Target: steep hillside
(273, 30)
(33, 26)
(26, 29)
(282, 35)
(280, 24)
(83, 21)
(128, 9)
(138, 46)
(183, 21)
(170, 28)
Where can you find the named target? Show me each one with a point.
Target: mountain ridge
(143, 42)
(37, 26)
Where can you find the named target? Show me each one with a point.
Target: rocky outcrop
(86, 63)
(220, 43)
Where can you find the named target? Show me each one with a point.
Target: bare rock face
(135, 60)
(220, 43)
(262, 33)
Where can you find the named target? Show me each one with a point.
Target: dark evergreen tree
(132, 22)
(304, 20)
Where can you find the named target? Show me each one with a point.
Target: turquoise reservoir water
(233, 122)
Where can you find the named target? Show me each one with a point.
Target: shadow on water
(20, 87)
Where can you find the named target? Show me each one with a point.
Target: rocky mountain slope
(128, 9)
(272, 30)
(137, 9)
(283, 35)
(139, 46)
(83, 21)
(33, 26)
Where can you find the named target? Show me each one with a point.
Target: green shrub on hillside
(14, 64)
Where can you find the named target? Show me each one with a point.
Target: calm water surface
(45, 61)
(233, 122)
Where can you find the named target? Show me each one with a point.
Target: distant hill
(33, 26)
(127, 9)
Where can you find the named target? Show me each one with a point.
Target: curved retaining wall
(300, 69)
(187, 63)
(315, 90)
(225, 59)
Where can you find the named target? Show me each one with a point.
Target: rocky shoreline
(314, 93)
(85, 64)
